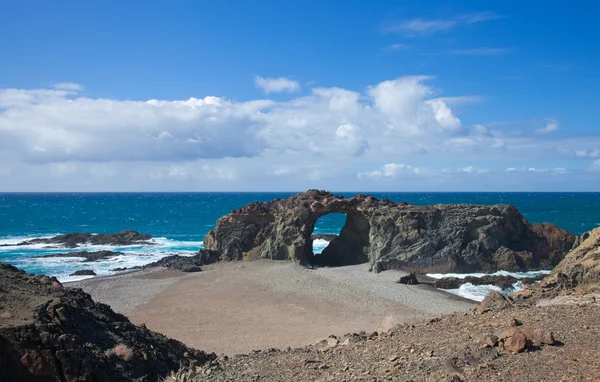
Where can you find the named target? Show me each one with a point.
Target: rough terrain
(434, 238)
(448, 348)
(52, 333)
(234, 307)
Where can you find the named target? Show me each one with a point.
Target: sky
(291, 95)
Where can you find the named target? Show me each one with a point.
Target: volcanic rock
(187, 263)
(435, 238)
(83, 272)
(578, 272)
(60, 334)
(73, 240)
(89, 256)
(504, 282)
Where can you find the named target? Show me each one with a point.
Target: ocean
(179, 221)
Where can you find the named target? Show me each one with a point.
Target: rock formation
(83, 272)
(579, 272)
(187, 263)
(73, 240)
(89, 256)
(434, 238)
(51, 333)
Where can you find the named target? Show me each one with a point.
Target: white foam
(517, 275)
(473, 292)
(135, 255)
(478, 292)
(319, 245)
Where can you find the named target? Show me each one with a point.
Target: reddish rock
(516, 343)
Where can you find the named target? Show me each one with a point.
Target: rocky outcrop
(187, 263)
(579, 272)
(504, 282)
(51, 333)
(434, 238)
(83, 272)
(89, 256)
(73, 240)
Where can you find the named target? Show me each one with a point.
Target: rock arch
(435, 238)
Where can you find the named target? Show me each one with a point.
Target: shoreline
(237, 307)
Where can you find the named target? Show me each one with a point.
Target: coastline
(237, 307)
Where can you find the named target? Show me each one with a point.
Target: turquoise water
(179, 221)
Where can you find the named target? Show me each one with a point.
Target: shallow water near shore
(179, 221)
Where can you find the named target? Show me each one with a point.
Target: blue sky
(290, 95)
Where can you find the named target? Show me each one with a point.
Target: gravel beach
(236, 307)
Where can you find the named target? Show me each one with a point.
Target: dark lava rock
(51, 333)
(187, 263)
(410, 279)
(73, 240)
(83, 272)
(504, 282)
(435, 238)
(89, 256)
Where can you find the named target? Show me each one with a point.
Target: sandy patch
(235, 307)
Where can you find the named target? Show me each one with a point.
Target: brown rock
(516, 343)
(515, 322)
(490, 341)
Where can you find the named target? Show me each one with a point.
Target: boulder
(61, 334)
(516, 343)
(187, 263)
(83, 272)
(435, 238)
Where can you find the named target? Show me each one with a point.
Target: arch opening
(349, 247)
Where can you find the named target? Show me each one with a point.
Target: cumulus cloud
(321, 139)
(473, 170)
(550, 127)
(276, 85)
(391, 171)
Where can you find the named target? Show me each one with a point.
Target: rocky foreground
(434, 238)
(52, 333)
(457, 347)
(548, 332)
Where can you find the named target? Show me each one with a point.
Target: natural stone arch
(434, 238)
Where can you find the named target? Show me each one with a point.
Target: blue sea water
(179, 221)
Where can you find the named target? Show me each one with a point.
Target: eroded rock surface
(73, 240)
(51, 333)
(578, 273)
(434, 238)
(187, 263)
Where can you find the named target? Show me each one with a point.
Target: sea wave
(478, 292)
(27, 257)
(319, 245)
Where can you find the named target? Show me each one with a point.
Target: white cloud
(425, 26)
(482, 51)
(394, 129)
(537, 170)
(396, 47)
(550, 127)
(276, 85)
(390, 171)
(71, 86)
(473, 170)
(595, 166)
